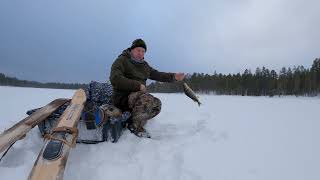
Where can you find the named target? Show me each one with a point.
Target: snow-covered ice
(227, 138)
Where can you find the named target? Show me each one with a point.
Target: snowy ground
(228, 138)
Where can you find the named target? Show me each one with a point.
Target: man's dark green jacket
(127, 75)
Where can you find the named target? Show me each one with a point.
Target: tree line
(13, 81)
(298, 80)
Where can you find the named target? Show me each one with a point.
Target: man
(128, 76)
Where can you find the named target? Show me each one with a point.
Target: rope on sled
(73, 131)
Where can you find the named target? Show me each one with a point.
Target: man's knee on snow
(134, 97)
(156, 106)
(146, 107)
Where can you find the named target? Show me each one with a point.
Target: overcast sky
(77, 40)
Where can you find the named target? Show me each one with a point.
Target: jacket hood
(126, 53)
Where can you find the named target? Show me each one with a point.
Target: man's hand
(179, 76)
(143, 88)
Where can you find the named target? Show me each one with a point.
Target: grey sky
(77, 40)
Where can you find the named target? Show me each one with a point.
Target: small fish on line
(189, 92)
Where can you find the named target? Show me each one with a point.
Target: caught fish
(189, 92)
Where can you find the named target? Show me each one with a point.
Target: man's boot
(139, 131)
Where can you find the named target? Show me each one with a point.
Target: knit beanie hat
(138, 43)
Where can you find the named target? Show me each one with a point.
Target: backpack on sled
(100, 120)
